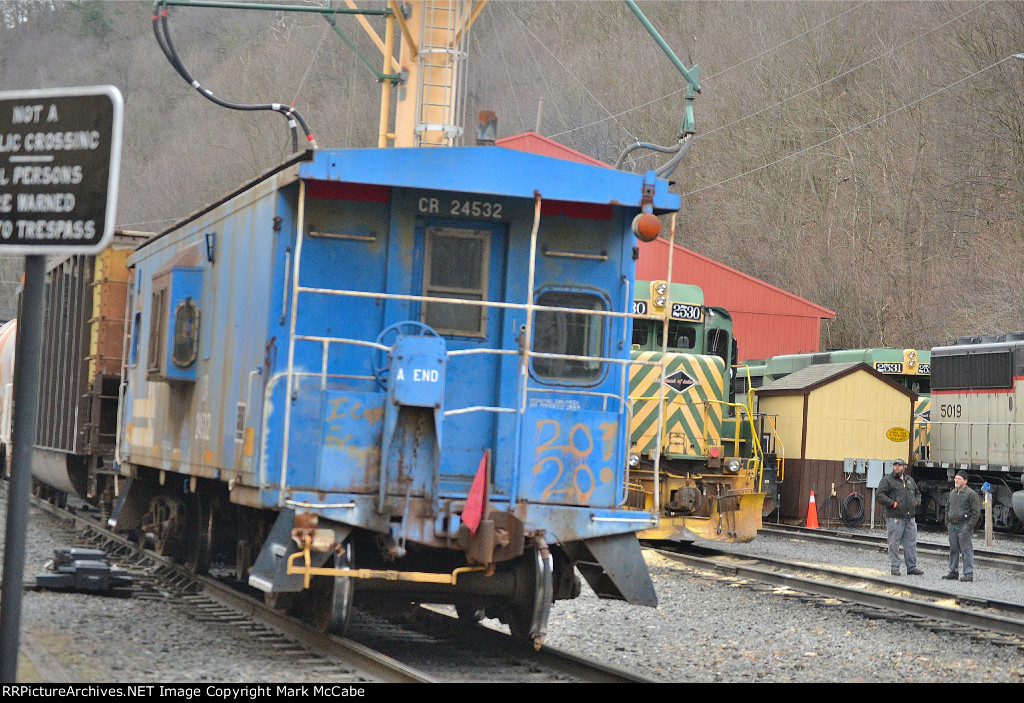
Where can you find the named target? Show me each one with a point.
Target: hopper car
(81, 361)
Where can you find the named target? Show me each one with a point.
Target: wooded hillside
(868, 156)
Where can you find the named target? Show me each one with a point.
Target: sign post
(60, 153)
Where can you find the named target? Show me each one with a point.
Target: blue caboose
(401, 372)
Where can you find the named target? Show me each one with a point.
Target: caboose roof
(487, 171)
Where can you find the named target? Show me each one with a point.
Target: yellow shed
(834, 420)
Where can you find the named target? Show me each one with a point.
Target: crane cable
(289, 112)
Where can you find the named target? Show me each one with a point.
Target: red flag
(476, 501)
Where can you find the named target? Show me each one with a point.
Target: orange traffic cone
(812, 513)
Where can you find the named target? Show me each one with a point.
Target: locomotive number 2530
(681, 311)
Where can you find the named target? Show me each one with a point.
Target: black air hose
(852, 519)
(167, 46)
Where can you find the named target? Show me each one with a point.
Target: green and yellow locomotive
(696, 455)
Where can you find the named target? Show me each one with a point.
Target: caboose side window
(185, 347)
(455, 266)
(156, 332)
(572, 334)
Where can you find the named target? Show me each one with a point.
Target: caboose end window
(455, 266)
(572, 334)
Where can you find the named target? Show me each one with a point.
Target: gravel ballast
(717, 630)
(705, 629)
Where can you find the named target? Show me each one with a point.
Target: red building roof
(766, 320)
(536, 144)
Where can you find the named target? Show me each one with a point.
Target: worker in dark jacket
(963, 508)
(898, 494)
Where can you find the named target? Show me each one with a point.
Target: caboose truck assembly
(399, 372)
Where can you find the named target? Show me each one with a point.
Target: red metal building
(536, 144)
(767, 321)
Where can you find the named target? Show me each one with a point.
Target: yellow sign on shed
(898, 434)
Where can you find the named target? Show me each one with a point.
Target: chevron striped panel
(686, 412)
(922, 427)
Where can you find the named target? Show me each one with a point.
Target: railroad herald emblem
(679, 381)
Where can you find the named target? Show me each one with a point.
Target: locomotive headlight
(732, 466)
(660, 301)
(661, 288)
(634, 461)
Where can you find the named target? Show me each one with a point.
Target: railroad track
(997, 621)
(423, 645)
(208, 599)
(982, 557)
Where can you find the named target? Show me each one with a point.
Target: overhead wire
(844, 73)
(309, 65)
(849, 131)
(574, 77)
(540, 72)
(712, 76)
(891, 51)
(161, 30)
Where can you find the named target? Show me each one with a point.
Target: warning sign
(60, 152)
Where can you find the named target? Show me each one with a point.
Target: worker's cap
(961, 474)
(899, 462)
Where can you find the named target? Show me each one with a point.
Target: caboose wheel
(527, 614)
(165, 523)
(328, 602)
(198, 538)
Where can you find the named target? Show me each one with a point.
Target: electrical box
(876, 469)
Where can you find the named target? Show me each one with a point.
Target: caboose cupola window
(571, 334)
(186, 334)
(455, 266)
